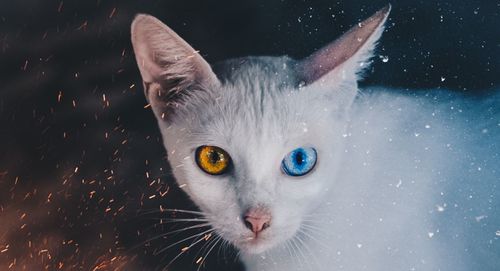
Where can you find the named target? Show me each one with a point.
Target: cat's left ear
(342, 61)
(169, 66)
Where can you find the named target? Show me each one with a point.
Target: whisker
(295, 255)
(183, 240)
(189, 228)
(160, 223)
(219, 249)
(206, 255)
(164, 210)
(310, 235)
(305, 246)
(168, 233)
(314, 227)
(237, 256)
(287, 245)
(206, 245)
(304, 259)
(173, 220)
(182, 252)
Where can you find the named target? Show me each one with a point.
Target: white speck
(359, 245)
(304, 127)
(384, 59)
(417, 134)
(497, 233)
(427, 126)
(431, 234)
(481, 217)
(443, 78)
(399, 183)
(440, 208)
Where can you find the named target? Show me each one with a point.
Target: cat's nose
(257, 219)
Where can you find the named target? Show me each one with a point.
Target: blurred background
(83, 172)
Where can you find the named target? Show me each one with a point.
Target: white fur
(402, 182)
(417, 189)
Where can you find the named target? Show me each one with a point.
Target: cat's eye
(213, 160)
(299, 162)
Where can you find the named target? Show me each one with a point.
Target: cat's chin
(255, 246)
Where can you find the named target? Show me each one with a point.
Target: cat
(299, 169)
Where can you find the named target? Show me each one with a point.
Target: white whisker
(165, 210)
(168, 233)
(183, 240)
(182, 252)
(211, 248)
(173, 220)
(311, 236)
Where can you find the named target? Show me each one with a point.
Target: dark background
(81, 161)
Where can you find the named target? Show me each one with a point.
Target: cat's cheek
(210, 194)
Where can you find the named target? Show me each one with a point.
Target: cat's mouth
(254, 244)
(257, 243)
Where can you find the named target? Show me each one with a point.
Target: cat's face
(256, 144)
(257, 133)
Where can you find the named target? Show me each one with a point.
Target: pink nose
(257, 219)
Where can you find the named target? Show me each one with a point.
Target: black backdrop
(81, 159)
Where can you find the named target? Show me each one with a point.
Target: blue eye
(299, 162)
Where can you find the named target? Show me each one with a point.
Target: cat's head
(253, 141)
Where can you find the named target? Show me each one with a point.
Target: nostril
(265, 225)
(257, 219)
(248, 224)
(256, 224)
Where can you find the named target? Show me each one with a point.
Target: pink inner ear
(334, 54)
(163, 57)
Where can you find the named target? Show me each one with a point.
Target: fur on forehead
(179, 82)
(258, 94)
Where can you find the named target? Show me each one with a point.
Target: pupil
(299, 158)
(214, 157)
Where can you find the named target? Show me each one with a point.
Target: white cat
(300, 170)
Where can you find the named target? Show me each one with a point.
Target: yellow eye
(213, 160)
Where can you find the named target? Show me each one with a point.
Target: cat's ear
(169, 66)
(345, 58)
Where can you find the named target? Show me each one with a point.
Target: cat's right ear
(169, 66)
(340, 64)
